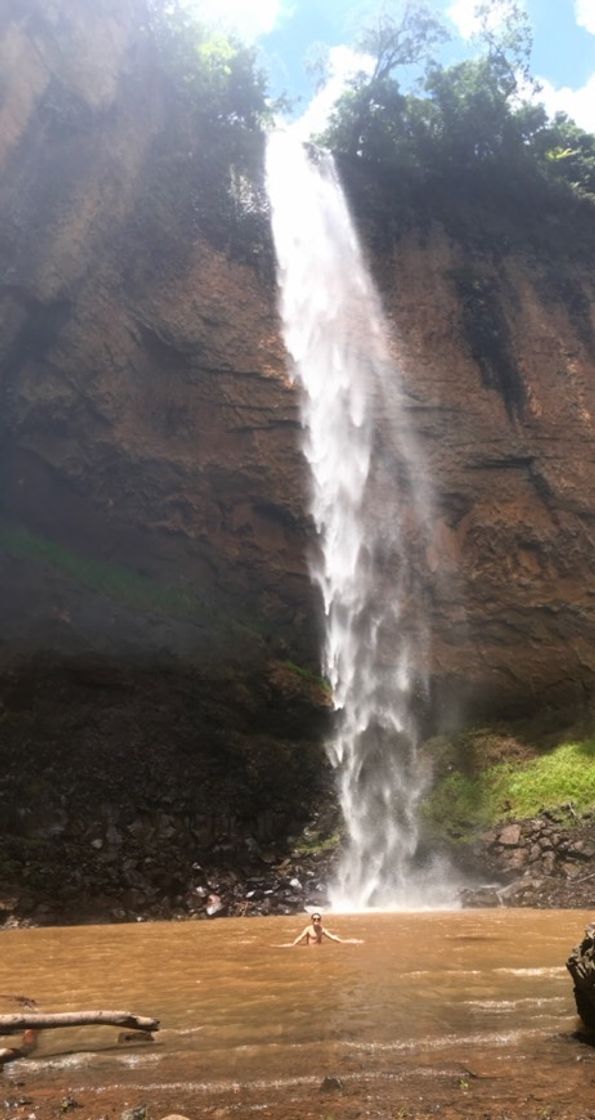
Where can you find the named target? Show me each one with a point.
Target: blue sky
(285, 30)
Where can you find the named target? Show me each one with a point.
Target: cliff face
(154, 591)
(499, 357)
(153, 506)
(148, 423)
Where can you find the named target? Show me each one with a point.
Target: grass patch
(461, 802)
(308, 675)
(312, 844)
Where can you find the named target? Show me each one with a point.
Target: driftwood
(28, 1045)
(32, 1023)
(12, 1024)
(581, 966)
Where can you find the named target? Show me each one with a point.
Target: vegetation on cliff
(473, 118)
(475, 127)
(217, 73)
(219, 110)
(487, 776)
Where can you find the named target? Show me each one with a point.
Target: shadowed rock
(581, 966)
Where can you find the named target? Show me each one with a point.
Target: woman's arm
(301, 936)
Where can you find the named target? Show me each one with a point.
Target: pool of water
(477, 988)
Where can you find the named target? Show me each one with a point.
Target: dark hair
(316, 915)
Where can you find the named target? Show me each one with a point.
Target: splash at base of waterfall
(430, 888)
(371, 505)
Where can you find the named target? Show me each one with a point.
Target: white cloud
(584, 13)
(578, 103)
(246, 18)
(462, 14)
(343, 64)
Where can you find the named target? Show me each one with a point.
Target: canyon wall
(153, 514)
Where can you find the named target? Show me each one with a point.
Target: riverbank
(132, 791)
(544, 862)
(514, 803)
(103, 822)
(455, 1092)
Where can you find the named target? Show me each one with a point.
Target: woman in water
(315, 932)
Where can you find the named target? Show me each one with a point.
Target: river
(469, 996)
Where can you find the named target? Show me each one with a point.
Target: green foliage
(568, 152)
(465, 120)
(312, 843)
(471, 122)
(217, 107)
(516, 789)
(508, 43)
(216, 73)
(308, 675)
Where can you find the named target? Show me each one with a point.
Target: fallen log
(14, 1024)
(10, 1054)
(28, 1045)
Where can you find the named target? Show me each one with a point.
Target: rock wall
(149, 430)
(153, 508)
(154, 594)
(490, 295)
(154, 492)
(506, 422)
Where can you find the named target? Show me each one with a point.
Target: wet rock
(571, 870)
(476, 897)
(549, 861)
(331, 1085)
(214, 905)
(114, 837)
(517, 859)
(137, 1113)
(581, 966)
(68, 1103)
(510, 836)
(521, 889)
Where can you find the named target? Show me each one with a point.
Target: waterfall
(371, 504)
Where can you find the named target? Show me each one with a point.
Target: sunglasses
(316, 918)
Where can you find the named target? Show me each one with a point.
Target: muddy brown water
(466, 995)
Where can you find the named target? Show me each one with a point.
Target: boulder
(510, 836)
(581, 966)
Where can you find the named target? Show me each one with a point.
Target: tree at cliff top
(464, 119)
(217, 72)
(219, 109)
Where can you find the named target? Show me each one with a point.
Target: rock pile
(245, 880)
(547, 860)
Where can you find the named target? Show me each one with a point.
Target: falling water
(371, 505)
